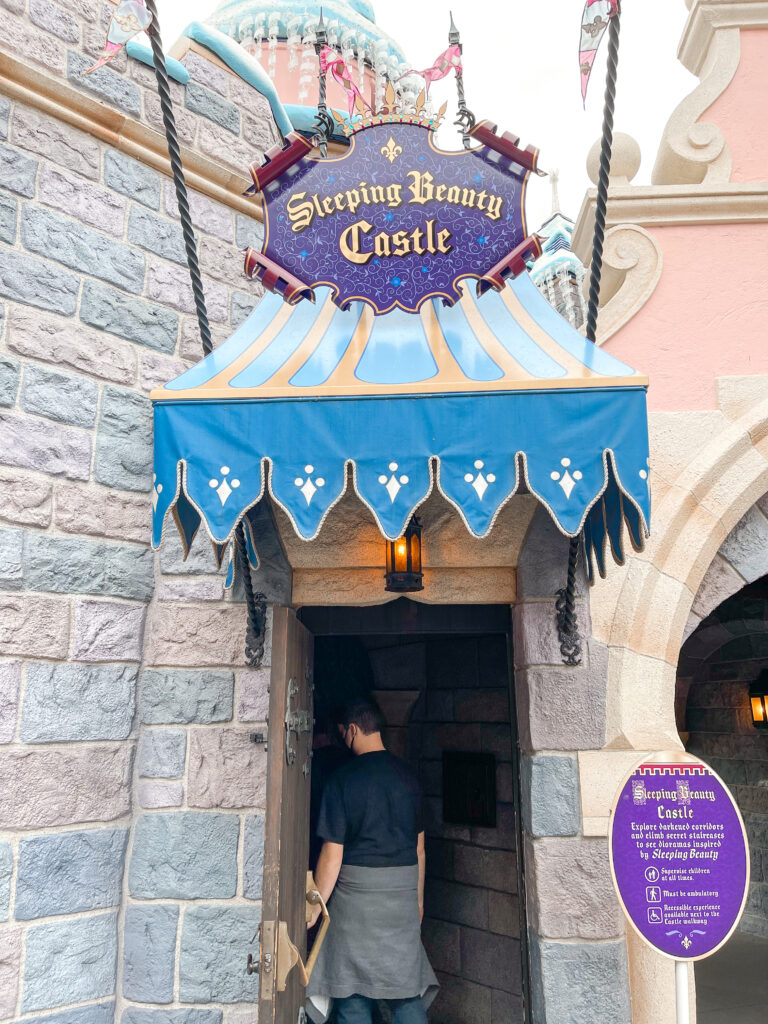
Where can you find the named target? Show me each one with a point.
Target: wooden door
(286, 840)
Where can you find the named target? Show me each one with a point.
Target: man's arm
(327, 873)
(422, 857)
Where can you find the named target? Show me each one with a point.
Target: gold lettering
(421, 188)
(338, 200)
(377, 194)
(495, 204)
(394, 195)
(401, 243)
(301, 213)
(442, 241)
(454, 195)
(349, 243)
(353, 200)
(382, 244)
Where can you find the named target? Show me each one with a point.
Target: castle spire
(554, 180)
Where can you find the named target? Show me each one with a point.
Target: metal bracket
(296, 721)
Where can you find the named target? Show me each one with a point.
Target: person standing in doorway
(372, 861)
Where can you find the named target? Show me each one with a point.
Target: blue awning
(494, 394)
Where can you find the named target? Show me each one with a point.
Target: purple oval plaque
(679, 856)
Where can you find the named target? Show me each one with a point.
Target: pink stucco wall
(740, 112)
(287, 82)
(707, 317)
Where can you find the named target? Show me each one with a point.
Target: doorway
(442, 677)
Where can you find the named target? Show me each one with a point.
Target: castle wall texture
(131, 799)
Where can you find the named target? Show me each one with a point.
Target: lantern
(404, 573)
(758, 699)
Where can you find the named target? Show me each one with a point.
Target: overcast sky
(521, 70)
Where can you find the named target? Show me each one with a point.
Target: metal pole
(169, 121)
(681, 992)
(606, 150)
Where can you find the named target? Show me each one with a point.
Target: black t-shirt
(372, 806)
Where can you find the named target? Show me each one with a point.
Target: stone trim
(632, 265)
(60, 100)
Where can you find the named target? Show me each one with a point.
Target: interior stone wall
(472, 915)
(130, 799)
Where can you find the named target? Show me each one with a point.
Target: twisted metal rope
(169, 121)
(567, 624)
(606, 150)
(255, 604)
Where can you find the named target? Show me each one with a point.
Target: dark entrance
(443, 679)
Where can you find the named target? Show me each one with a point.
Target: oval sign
(679, 856)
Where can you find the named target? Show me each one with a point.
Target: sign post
(679, 860)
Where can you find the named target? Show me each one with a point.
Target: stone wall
(130, 829)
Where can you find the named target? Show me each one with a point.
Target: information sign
(679, 856)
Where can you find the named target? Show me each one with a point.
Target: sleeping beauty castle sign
(394, 220)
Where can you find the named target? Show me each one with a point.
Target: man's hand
(316, 912)
(421, 913)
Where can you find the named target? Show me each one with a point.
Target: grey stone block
(460, 904)
(69, 872)
(746, 546)
(59, 396)
(461, 1002)
(253, 856)
(550, 788)
(493, 869)
(162, 753)
(67, 241)
(9, 214)
(135, 319)
(70, 962)
(149, 953)
(96, 1013)
(77, 702)
(220, 938)
(579, 983)
(69, 565)
(11, 559)
(5, 109)
(30, 280)
(31, 443)
(10, 371)
(133, 179)
(6, 870)
(157, 234)
(202, 101)
(55, 19)
(186, 696)
(241, 305)
(543, 560)
(248, 232)
(17, 171)
(108, 85)
(124, 441)
(184, 855)
(199, 561)
(134, 1015)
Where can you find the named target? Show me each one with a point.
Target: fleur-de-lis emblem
(391, 151)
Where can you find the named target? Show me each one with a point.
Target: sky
(521, 71)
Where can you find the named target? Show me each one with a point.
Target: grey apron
(373, 947)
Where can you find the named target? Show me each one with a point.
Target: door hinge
(296, 721)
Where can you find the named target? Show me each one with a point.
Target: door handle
(288, 955)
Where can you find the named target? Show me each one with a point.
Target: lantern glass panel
(759, 716)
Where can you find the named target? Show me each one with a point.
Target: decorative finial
(453, 32)
(321, 37)
(554, 180)
(466, 119)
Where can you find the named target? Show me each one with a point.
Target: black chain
(606, 150)
(169, 121)
(255, 603)
(567, 623)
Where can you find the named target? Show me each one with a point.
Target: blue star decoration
(331, 177)
(389, 216)
(478, 178)
(425, 270)
(396, 282)
(303, 254)
(482, 239)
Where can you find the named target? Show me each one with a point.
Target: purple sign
(395, 220)
(679, 856)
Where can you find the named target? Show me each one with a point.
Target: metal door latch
(296, 721)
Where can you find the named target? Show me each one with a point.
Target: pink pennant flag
(449, 60)
(594, 22)
(331, 61)
(130, 18)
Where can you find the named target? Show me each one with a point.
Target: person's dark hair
(364, 713)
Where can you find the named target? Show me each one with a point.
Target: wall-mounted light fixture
(404, 573)
(758, 699)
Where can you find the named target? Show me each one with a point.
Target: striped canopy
(480, 399)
